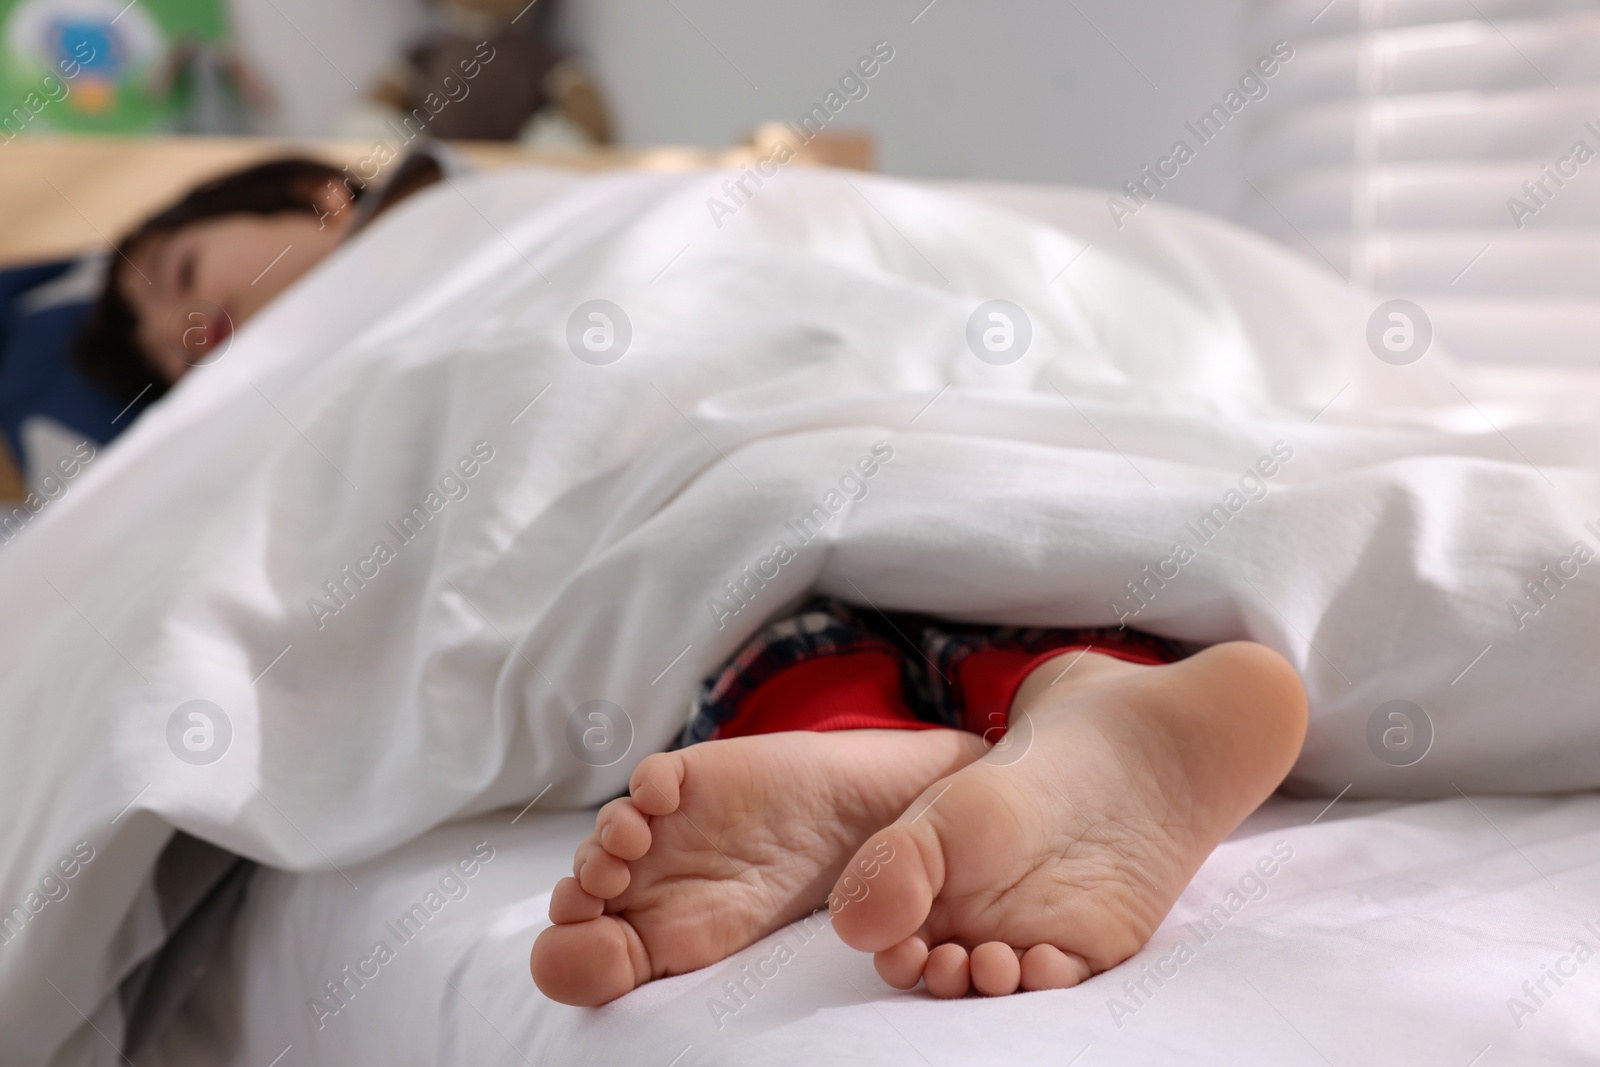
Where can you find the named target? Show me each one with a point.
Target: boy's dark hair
(107, 348)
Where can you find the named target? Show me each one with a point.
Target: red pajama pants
(834, 666)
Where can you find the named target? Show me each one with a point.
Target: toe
(600, 873)
(947, 975)
(588, 963)
(996, 970)
(570, 904)
(1047, 967)
(887, 890)
(656, 782)
(586, 848)
(622, 830)
(902, 965)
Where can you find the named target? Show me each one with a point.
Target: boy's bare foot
(1059, 860)
(719, 844)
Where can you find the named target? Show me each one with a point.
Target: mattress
(1459, 931)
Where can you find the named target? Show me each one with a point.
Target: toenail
(605, 833)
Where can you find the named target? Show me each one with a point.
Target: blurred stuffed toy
(523, 86)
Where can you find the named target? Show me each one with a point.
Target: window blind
(1446, 151)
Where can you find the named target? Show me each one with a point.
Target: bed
(1396, 934)
(421, 720)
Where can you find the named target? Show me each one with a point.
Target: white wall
(318, 55)
(1017, 89)
(1014, 89)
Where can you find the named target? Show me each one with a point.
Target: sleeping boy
(980, 807)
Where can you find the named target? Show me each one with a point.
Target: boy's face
(193, 287)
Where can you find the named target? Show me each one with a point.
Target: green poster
(99, 66)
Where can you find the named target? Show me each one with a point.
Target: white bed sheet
(1394, 934)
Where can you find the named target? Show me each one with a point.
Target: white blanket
(579, 523)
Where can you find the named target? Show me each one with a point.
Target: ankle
(1070, 670)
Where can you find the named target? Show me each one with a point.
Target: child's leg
(1056, 857)
(719, 844)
